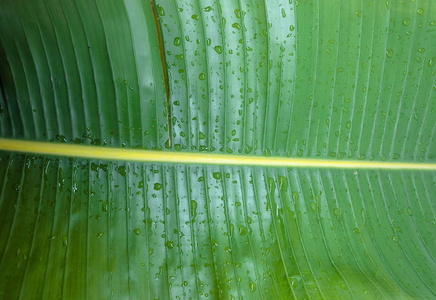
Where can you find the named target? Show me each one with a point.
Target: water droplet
(169, 244)
(231, 229)
(419, 11)
(252, 286)
(160, 10)
(99, 235)
(283, 183)
(137, 231)
(217, 175)
(313, 206)
(283, 13)
(236, 25)
(16, 187)
(421, 50)
(299, 152)
(242, 230)
(295, 196)
(104, 206)
(121, 170)
(195, 17)
(431, 61)
(207, 9)
(193, 209)
(201, 76)
(238, 13)
(395, 238)
(65, 241)
(389, 53)
(433, 23)
(406, 21)
(294, 281)
(248, 149)
(336, 212)
(356, 231)
(177, 41)
(343, 286)
(348, 125)
(218, 49)
(157, 186)
(94, 167)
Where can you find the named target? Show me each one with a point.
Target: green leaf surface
(334, 80)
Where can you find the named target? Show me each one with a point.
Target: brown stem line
(164, 70)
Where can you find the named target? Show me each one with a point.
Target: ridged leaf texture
(336, 80)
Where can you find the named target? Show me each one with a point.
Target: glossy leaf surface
(332, 80)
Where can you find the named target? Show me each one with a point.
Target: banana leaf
(295, 141)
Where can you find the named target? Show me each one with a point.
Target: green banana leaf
(336, 81)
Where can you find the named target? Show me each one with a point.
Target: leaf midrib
(122, 154)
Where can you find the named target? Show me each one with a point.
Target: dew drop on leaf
(389, 53)
(218, 49)
(160, 10)
(104, 206)
(336, 212)
(242, 230)
(169, 244)
(238, 13)
(193, 209)
(236, 25)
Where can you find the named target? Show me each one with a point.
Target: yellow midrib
(108, 153)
